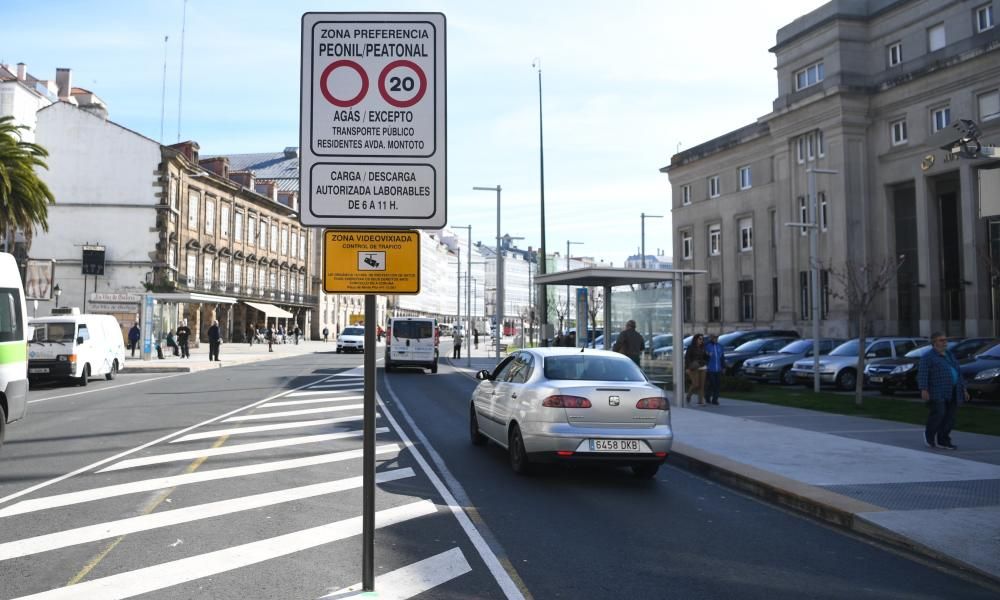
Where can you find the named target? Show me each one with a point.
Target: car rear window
(584, 367)
(412, 329)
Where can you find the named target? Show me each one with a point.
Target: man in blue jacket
(941, 387)
(716, 362)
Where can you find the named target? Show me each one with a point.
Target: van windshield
(412, 330)
(11, 326)
(54, 332)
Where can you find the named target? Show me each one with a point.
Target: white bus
(13, 345)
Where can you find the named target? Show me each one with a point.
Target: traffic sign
(371, 261)
(373, 120)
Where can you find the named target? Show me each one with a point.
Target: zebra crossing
(255, 454)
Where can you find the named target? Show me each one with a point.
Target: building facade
(863, 90)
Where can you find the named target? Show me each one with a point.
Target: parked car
(668, 350)
(731, 340)
(599, 341)
(564, 405)
(982, 373)
(73, 346)
(840, 366)
(351, 339)
(412, 342)
(778, 366)
(891, 375)
(753, 348)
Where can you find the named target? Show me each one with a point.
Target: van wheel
(84, 376)
(434, 367)
(110, 375)
(475, 437)
(389, 366)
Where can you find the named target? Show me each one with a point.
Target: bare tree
(595, 304)
(560, 314)
(860, 285)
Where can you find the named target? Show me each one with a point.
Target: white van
(13, 344)
(412, 342)
(76, 347)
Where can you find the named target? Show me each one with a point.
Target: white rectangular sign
(373, 120)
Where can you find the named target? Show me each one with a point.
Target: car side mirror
(484, 375)
(79, 340)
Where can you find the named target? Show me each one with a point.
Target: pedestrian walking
(694, 363)
(326, 334)
(941, 387)
(269, 334)
(475, 338)
(214, 341)
(716, 356)
(172, 343)
(133, 337)
(379, 332)
(183, 335)
(630, 343)
(297, 333)
(457, 338)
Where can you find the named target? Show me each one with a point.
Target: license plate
(749, 370)
(39, 370)
(876, 379)
(614, 445)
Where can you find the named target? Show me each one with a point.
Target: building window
(746, 300)
(774, 296)
(745, 182)
(238, 226)
(803, 214)
(172, 256)
(804, 294)
(984, 18)
(208, 264)
(772, 215)
(274, 237)
(251, 278)
(224, 221)
(824, 298)
(713, 186)
(251, 231)
(685, 195)
(284, 241)
(746, 234)
(714, 239)
(820, 144)
(263, 234)
(809, 76)
(273, 280)
(935, 37)
(811, 146)
(715, 302)
(210, 216)
(302, 246)
(295, 244)
(172, 193)
(822, 210)
(989, 105)
(898, 132)
(686, 245)
(800, 149)
(193, 199)
(237, 277)
(895, 54)
(688, 292)
(940, 118)
(223, 273)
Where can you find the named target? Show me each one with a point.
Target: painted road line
(414, 579)
(321, 386)
(311, 401)
(157, 520)
(272, 427)
(108, 388)
(224, 450)
(319, 392)
(504, 579)
(160, 483)
(158, 577)
(292, 413)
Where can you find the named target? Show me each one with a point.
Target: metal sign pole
(368, 467)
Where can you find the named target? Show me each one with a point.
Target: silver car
(564, 405)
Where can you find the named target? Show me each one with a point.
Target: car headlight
(901, 369)
(987, 374)
(766, 365)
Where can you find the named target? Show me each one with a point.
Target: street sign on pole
(373, 120)
(371, 262)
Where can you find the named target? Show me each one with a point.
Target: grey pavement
(230, 354)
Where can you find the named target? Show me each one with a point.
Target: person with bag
(630, 343)
(716, 356)
(695, 360)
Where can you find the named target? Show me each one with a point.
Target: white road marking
(348, 375)
(342, 384)
(157, 577)
(177, 516)
(159, 483)
(106, 388)
(501, 576)
(224, 450)
(291, 413)
(272, 427)
(311, 401)
(413, 579)
(319, 392)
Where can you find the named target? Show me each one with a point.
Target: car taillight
(558, 401)
(388, 336)
(437, 334)
(655, 403)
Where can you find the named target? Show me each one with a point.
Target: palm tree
(24, 197)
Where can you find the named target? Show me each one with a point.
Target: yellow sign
(371, 261)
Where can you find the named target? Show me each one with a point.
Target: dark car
(982, 373)
(730, 341)
(751, 349)
(778, 366)
(899, 374)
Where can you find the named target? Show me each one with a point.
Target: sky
(625, 85)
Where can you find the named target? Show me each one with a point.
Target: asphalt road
(203, 486)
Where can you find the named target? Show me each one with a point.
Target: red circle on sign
(385, 93)
(350, 64)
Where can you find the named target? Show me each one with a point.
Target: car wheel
(518, 455)
(110, 375)
(787, 377)
(338, 350)
(846, 380)
(434, 367)
(645, 470)
(388, 366)
(84, 376)
(475, 437)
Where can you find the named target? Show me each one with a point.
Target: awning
(193, 297)
(270, 310)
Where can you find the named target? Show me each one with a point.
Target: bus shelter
(607, 278)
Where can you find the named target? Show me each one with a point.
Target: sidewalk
(873, 477)
(229, 355)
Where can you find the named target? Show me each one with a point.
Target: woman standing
(695, 360)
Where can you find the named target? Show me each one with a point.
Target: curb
(145, 370)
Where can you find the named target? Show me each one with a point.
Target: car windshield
(752, 346)
(991, 352)
(354, 331)
(918, 352)
(797, 347)
(412, 329)
(54, 332)
(849, 348)
(590, 367)
(659, 341)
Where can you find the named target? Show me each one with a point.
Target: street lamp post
(499, 265)
(568, 243)
(644, 216)
(468, 274)
(541, 294)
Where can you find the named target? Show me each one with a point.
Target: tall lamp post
(644, 216)
(568, 243)
(499, 265)
(541, 294)
(468, 273)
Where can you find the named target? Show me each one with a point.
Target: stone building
(863, 89)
